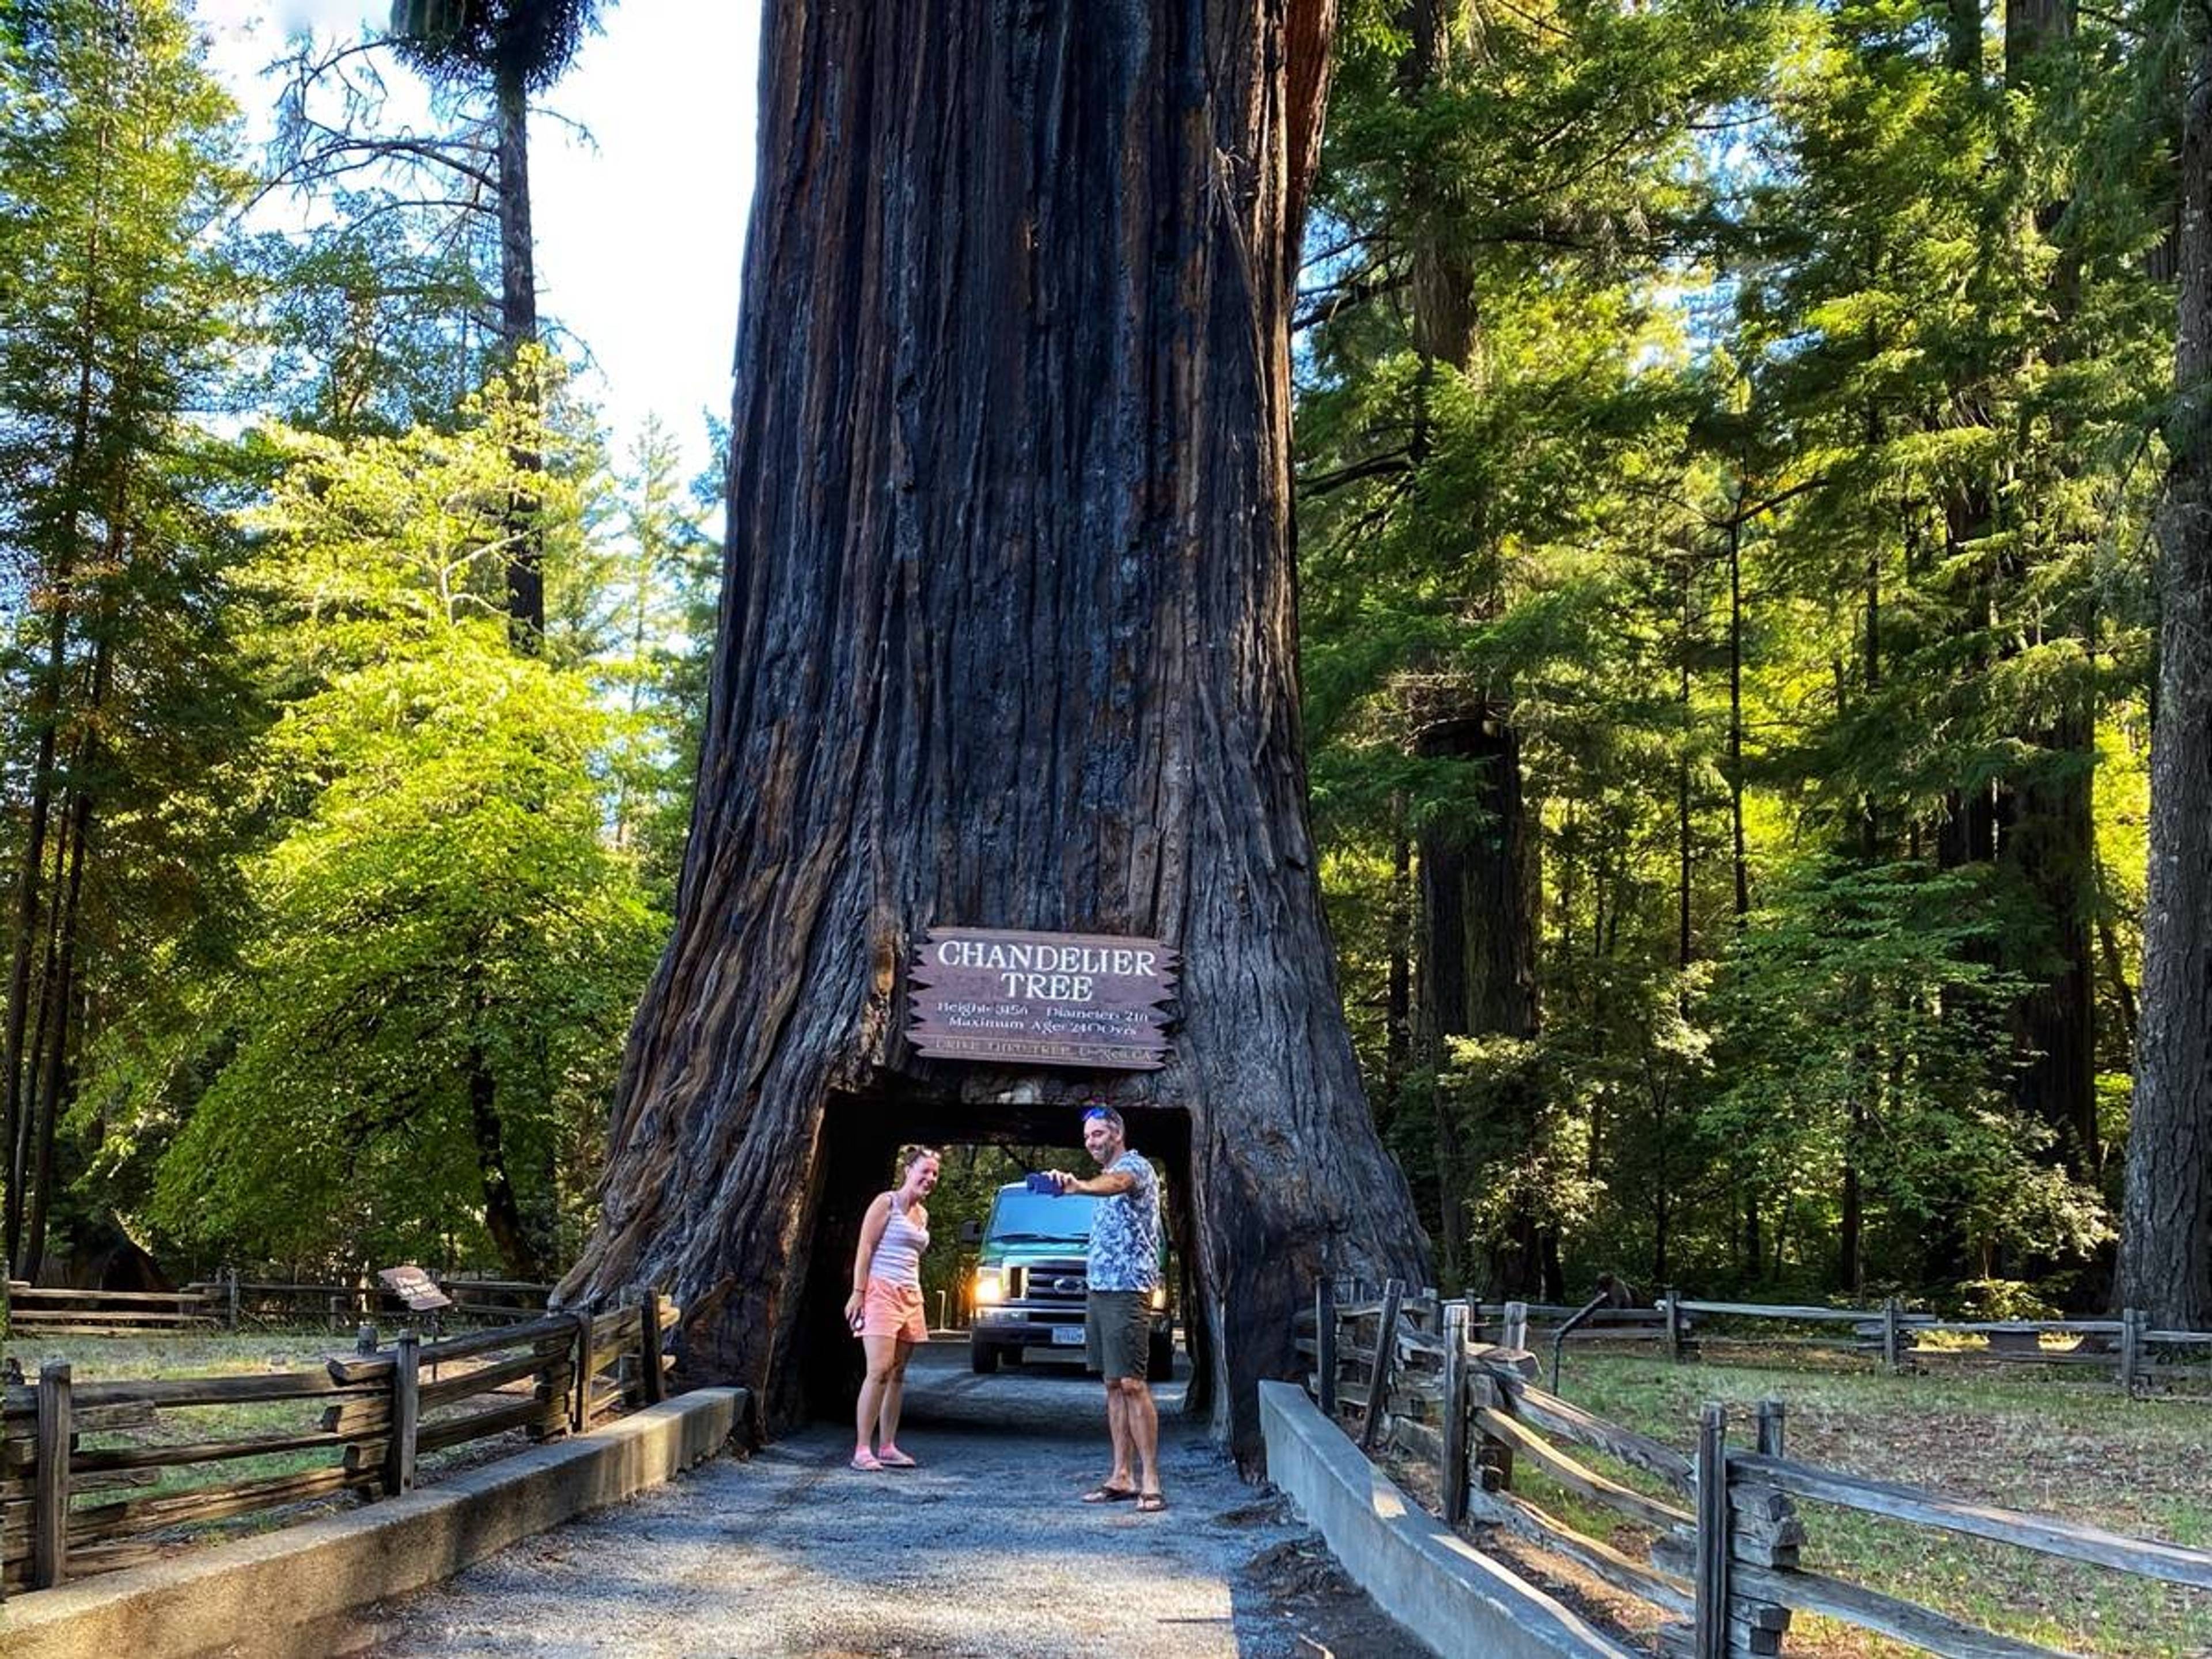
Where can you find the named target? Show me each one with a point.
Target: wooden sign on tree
(1043, 999)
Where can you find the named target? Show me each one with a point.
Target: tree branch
(1387, 465)
(1322, 305)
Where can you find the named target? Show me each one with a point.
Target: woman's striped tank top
(897, 1260)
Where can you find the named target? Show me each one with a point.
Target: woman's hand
(853, 1311)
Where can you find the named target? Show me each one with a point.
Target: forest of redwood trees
(1754, 533)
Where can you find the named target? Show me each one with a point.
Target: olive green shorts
(1117, 1326)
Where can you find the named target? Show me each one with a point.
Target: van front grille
(1052, 1281)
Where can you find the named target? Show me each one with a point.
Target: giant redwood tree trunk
(1006, 641)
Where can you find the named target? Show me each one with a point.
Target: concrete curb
(1431, 1580)
(274, 1596)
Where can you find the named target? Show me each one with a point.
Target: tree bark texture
(2166, 1233)
(517, 327)
(1478, 911)
(512, 1235)
(1398, 1005)
(1446, 323)
(1006, 638)
(2052, 844)
(1739, 864)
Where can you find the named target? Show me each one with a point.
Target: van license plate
(1066, 1336)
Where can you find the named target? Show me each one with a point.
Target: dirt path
(985, 1550)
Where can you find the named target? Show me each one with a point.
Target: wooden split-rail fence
(36, 1310)
(88, 1470)
(1719, 1544)
(2136, 1354)
(232, 1303)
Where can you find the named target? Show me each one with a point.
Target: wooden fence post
(2131, 1330)
(1891, 1336)
(579, 1401)
(1673, 1326)
(1782, 1533)
(51, 1495)
(648, 1314)
(406, 1414)
(1325, 1346)
(230, 1288)
(1712, 1582)
(1494, 1458)
(1386, 1352)
(1772, 1421)
(1453, 1486)
(1516, 1333)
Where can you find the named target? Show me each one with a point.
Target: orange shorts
(888, 1310)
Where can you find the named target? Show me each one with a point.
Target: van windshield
(1025, 1216)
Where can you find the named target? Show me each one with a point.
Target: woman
(884, 1309)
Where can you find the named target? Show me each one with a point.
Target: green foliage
(374, 544)
(121, 692)
(366, 320)
(1861, 1013)
(2001, 1299)
(1528, 1149)
(654, 632)
(443, 930)
(464, 40)
(447, 944)
(1754, 408)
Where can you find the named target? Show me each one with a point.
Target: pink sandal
(866, 1463)
(896, 1459)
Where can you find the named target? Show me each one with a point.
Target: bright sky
(639, 233)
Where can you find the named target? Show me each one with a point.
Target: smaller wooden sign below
(1016, 999)
(415, 1287)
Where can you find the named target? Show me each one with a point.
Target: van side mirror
(971, 1232)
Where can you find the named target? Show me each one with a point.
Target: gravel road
(984, 1550)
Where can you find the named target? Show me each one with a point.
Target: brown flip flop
(1110, 1495)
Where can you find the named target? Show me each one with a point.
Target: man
(1124, 1270)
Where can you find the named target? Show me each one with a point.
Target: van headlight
(1159, 1298)
(990, 1287)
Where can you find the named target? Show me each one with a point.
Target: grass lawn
(2063, 1449)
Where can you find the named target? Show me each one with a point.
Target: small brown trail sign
(1014, 998)
(414, 1286)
